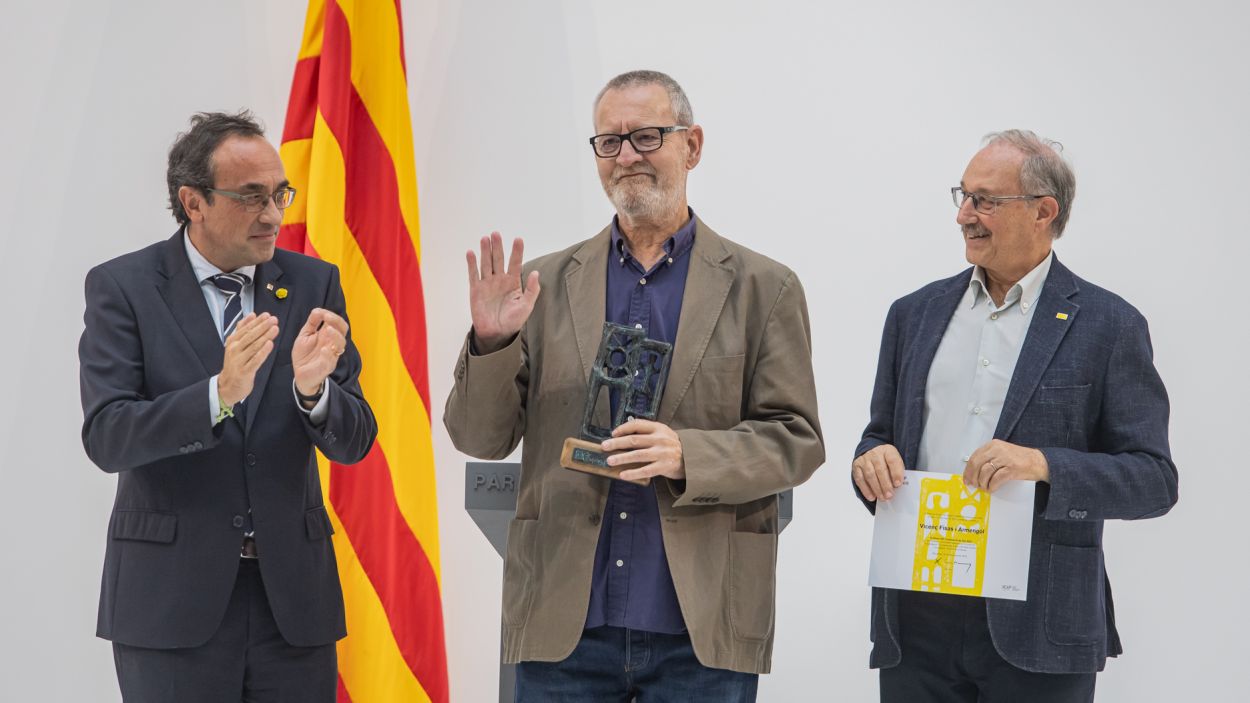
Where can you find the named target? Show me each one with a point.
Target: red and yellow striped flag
(347, 147)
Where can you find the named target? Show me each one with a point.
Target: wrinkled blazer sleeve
(778, 443)
(485, 412)
(350, 427)
(123, 428)
(1131, 474)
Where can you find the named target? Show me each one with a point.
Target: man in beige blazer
(613, 590)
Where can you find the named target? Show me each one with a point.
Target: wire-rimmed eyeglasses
(986, 204)
(255, 202)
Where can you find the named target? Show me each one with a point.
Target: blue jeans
(616, 664)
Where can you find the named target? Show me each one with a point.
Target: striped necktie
(231, 286)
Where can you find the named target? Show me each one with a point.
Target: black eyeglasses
(643, 139)
(255, 202)
(986, 204)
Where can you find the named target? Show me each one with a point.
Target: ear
(192, 202)
(694, 146)
(1047, 211)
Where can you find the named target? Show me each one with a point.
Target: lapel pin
(1061, 315)
(268, 286)
(280, 293)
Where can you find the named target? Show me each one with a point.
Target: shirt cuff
(318, 414)
(214, 402)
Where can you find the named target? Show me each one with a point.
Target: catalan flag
(347, 148)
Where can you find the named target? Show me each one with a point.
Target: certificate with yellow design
(936, 535)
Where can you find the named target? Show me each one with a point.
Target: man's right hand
(878, 471)
(499, 305)
(246, 349)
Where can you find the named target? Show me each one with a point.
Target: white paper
(962, 542)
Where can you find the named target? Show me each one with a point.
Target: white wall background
(833, 132)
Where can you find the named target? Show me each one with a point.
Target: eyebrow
(260, 187)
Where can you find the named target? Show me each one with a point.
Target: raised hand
(500, 306)
(321, 341)
(246, 349)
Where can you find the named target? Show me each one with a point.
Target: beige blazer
(741, 396)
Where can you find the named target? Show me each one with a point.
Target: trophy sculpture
(632, 367)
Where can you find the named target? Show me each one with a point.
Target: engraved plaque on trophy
(633, 368)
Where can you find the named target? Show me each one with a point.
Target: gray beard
(648, 204)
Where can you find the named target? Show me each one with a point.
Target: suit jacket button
(1072, 514)
(182, 449)
(251, 459)
(237, 521)
(199, 445)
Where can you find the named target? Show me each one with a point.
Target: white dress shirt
(216, 300)
(972, 369)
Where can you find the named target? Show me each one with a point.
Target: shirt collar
(204, 269)
(1028, 289)
(676, 245)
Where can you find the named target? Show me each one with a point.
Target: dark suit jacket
(1085, 392)
(184, 486)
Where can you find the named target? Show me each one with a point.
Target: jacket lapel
(185, 299)
(1052, 318)
(707, 287)
(936, 317)
(264, 300)
(586, 287)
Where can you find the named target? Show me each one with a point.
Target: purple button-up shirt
(632, 586)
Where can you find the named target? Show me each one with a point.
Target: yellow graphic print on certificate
(951, 536)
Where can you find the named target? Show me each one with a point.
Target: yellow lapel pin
(1061, 315)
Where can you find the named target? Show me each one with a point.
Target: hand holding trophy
(633, 369)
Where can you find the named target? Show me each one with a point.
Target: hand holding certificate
(937, 535)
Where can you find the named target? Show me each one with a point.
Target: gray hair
(677, 99)
(1044, 171)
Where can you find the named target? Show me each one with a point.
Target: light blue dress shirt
(972, 369)
(216, 300)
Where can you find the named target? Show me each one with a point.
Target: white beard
(648, 203)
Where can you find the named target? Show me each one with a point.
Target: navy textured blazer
(184, 486)
(1085, 392)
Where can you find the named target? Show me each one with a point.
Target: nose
(966, 214)
(628, 156)
(271, 215)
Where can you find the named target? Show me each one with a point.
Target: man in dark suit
(212, 366)
(1016, 370)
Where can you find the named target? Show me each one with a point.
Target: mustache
(618, 175)
(974, 230)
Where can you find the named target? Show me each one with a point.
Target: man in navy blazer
(1016, 370)
(212, 366)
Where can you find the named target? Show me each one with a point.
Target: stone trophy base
(587, 457)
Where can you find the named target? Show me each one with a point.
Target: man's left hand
(321, 341)
(646, 442)
(998, 462)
